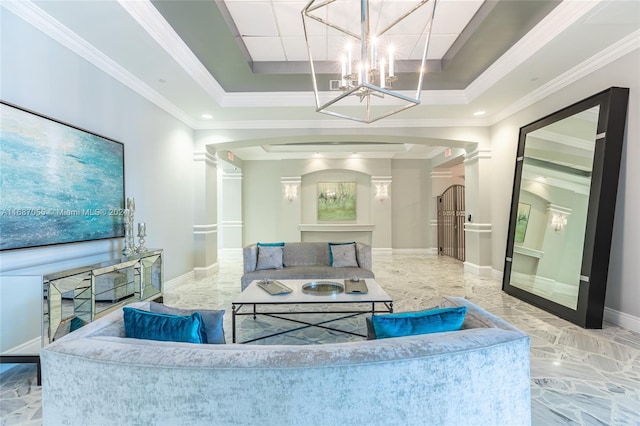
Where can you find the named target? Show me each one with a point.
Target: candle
(382, 76)
(343, 83)
(126, 214)
(374, 53)
(142, 228)
(392, 70)
(349, 58)
(360, 69)
(131, 203)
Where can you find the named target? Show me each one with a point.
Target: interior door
(451, 222)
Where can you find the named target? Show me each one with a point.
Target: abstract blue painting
(58, 184)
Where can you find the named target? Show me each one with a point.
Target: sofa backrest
(306, 254)
(449, 376)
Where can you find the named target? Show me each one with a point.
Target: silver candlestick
(131, 206)
(127, 249)
(142, 233)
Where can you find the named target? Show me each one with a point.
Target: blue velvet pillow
(413, 323)
(270, 244)
(141, 324)
(212, 319)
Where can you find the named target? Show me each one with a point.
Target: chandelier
(372, 51)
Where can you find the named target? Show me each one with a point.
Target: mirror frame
(601, 207)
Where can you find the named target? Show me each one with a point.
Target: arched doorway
(451, 222)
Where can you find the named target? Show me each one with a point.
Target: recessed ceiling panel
(253, 18)
(264, 48)
(452, 16)
(295, 48)
(289, 19)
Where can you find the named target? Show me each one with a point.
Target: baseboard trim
(483, 271)
(622, 319)
(423, 251)
(178, 280)
(203, 272)
(230, 251)
(381, 251)
(498, 275)
(28, 347)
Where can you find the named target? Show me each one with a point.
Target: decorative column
(477, 166)
(231, 204)
(381, 212)
(291, 208)
(205, 220)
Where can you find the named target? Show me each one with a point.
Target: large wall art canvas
(58, 183)
(336, 200)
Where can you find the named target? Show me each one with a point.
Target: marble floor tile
(578, 377)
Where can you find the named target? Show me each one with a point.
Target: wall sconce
(290, 186)
(559, 222)
(381, 183)
(290, 192)
(382, 191)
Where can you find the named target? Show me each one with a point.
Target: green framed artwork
(336, 201)
(522, 220)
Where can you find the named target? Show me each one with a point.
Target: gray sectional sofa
(305, 260)
(476, 376)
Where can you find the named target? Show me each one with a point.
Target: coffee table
(256, 297)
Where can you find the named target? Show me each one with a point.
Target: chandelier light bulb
(374, 53)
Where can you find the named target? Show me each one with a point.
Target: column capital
(206, 157)
(476, 155)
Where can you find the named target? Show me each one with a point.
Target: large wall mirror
(562, 210)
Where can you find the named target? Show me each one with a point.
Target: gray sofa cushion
(343, 255)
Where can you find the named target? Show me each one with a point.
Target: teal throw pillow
(271, 244)
(212, 319)
(147, 325)
(413, 323)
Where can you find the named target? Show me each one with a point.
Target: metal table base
(235, 311)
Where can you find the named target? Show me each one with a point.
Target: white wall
(623, 291)
(410, 199)
(40, 74)
(413, 205)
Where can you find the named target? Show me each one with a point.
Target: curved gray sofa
(476, 376)
(305, 260)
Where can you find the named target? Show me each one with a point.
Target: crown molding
(616, 51)
(148, 17)
(305, 99)
(341, 124)
(44, 22)
(563, 16)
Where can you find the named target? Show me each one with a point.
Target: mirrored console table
(52, 300)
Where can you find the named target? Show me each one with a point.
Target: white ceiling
(272, 30)
(133, 42)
